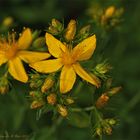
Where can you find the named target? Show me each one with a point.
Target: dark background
(123, 52)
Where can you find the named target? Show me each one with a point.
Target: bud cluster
(105, 17)
(104, 127)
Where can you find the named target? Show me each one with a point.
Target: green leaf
(79, 119)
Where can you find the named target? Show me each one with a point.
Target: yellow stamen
(9, 47)
(67, 57)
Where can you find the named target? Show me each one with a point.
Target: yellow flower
(12, 52)
(67, 59)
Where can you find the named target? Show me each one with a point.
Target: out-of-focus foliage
(31, 12)
(121, 47)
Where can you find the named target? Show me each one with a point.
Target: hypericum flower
(12, 52)
(68, 58)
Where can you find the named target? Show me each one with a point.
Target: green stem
(83, 109)
(100, 137)
(90, 108)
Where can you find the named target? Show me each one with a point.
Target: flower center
(67, 58)
(11, 52)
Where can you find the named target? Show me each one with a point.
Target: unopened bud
(84, 32)
(113, 91)
(35, 94)
(35, 84)
(110, 11)
(35, 34)
(62, 110)
(4, 89)
(108, 130)
(70, 30)
(69, 101)
(103, 68)
(49, 82)
(8, 21)
(31, 93)
(39, 42)
(53, 31)
(56, 27)
(99, 131)
(112, 121)
(56, 24)
(102, 101)
(36, 104)
(51, 99)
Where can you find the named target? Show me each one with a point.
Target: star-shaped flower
(68, 59)
(12, 52)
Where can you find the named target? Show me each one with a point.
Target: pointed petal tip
(25, 80)
(96, 81)
(64, 91)
(98, 84)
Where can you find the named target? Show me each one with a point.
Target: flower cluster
(55, 66)
(106, 17)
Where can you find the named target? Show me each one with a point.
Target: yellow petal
(84, 75)
(25, 39)
(55, 47)
(47, 66)
(16, 69)
(85, 49)
(2, 59)
(31, 57)
(67, 79)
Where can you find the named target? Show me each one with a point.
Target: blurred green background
(122, 50)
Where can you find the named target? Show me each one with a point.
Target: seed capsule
(102, 101)
(113, 91)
